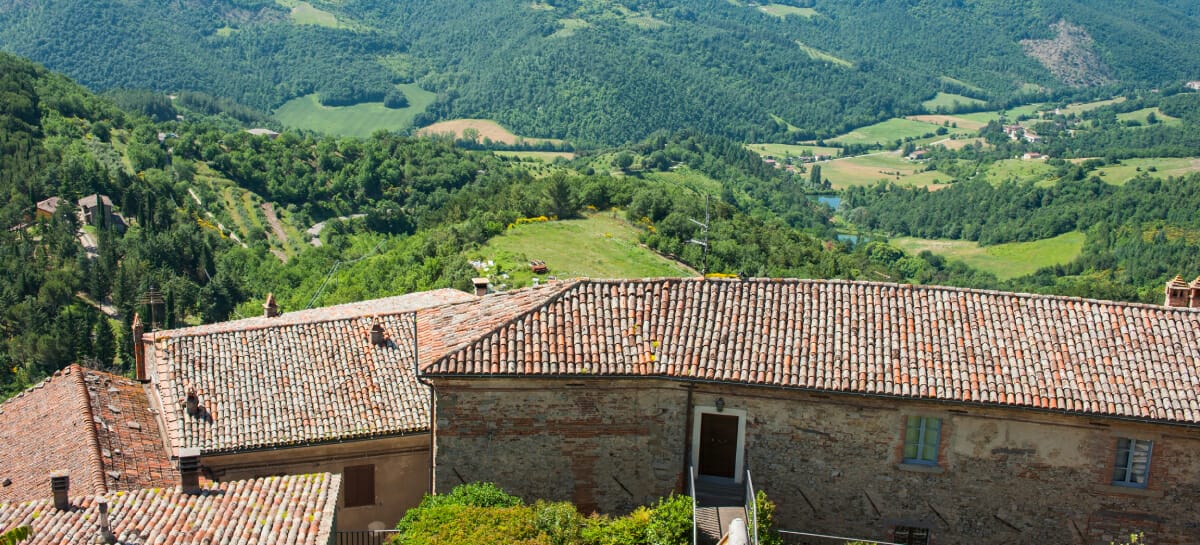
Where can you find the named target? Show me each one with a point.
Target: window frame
(922, 430)
(350, 492)
(909, 535)
(1129, 479)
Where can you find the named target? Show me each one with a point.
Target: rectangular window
(1133, 462)
(921, 437)
(359, 482)
(907, 535)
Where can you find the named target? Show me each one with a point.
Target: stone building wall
(606, 445)
(401, 471)
(832, 463)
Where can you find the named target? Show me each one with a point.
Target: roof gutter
(692, 380)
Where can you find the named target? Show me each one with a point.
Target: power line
(334, 271)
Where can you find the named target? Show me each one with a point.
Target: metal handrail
(692, 493)
(842, 539)
(751, 509)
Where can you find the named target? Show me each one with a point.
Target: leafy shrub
(560, 521)
(766, 520)
(481, 495)
(671, 522)
(628, 530)
(451, 523)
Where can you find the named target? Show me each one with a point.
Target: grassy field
(1081, 107)
(1143, 116)
(889, 131)
(948, 101)
(1165, 167)
(781, 11)
(487, 129)
(819, 55)
(304, 13)
(795, 150)
(359, 120)
(600, 246)
(1003, 260)
(960, 83)
(544, 156)
(868, 169)
(567, 27)
(1030, 110)
(961, 122)
(1019, 170)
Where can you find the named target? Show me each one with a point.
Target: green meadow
(359, 120)
(1006, 261)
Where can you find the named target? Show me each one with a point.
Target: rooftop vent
(60, 485)
(189, 470)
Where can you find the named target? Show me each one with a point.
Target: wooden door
(718, 445)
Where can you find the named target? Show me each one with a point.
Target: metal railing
(751, 510)
(692, 493)
(365, 537)
(813, 539)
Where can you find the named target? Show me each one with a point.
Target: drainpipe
(432, 413)
(687, 435)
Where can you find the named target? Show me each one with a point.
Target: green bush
(628, 530)
(454, 524)
(481, 495)
(560, 521)
(766, 520)
(671, 522)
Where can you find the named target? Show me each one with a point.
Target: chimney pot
(192, 403)
(377, 337)
(270, 309)
(60, 485)
(105, 535)
(189, 470)
(1177, 292)
(481, 286)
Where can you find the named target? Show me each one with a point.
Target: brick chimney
(189, 470)
(139, 349)
(481, 286)
(1194, 293)
(60, 485)
(270, 309)
(1177, 292)
(376, 334)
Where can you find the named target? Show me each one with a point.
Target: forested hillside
(614, 71)
(209, 212)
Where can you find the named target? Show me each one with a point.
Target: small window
(921, 438)
(908, 535)
(360, 485)
(1133, 462)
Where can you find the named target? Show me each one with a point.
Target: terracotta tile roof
(96, 426)
(1030, 351)
(291, 510)
(445, 328)
(300, 378)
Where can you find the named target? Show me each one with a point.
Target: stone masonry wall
(832, 463)
(607, 446)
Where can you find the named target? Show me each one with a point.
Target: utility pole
(703, 243)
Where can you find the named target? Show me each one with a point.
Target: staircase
(717, 504)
